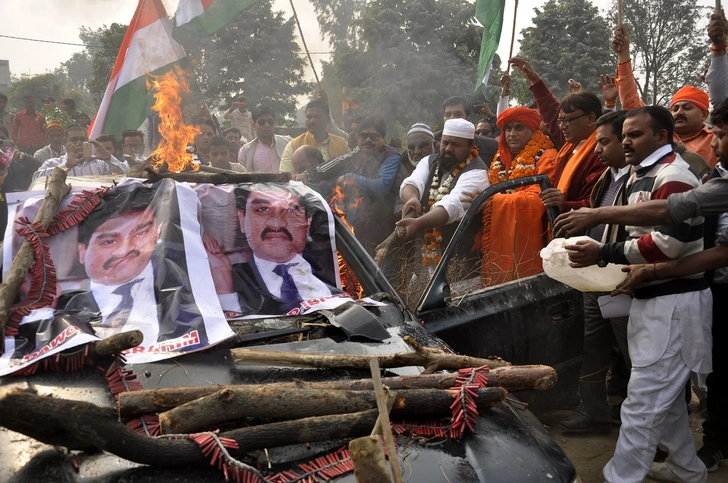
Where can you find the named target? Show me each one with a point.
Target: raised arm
(626, 84)
(717, 75)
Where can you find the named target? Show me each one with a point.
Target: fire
(345, 199)
(176, 135)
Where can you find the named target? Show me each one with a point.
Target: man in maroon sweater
(572, 127)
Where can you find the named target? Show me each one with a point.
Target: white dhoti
(668, 337)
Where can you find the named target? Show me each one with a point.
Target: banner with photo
(134, 262)
(176, 261)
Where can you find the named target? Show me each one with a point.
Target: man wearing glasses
(364, 177)
(132, 144)
(263, 154)
(572, 127)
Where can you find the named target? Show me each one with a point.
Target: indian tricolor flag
(195, 19)
(148, 46)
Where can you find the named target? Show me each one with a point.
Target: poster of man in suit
(134, 265)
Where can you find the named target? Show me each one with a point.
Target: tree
(338, 20)
(39, 86)
(568, 39)
(108, 39)
(256, 54)
(411, 56)
(668, 46)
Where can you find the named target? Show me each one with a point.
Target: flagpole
(305, 47)
(619, 11)
(513, 35)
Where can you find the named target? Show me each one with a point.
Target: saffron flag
(490, 15)
(199, 18)
(148, 46)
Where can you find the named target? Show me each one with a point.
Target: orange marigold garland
(522, 165)
(431, 247)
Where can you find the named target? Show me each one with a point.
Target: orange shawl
(513, 230)
(575, 162)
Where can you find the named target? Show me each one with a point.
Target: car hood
(509, 444)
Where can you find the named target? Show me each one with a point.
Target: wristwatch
(601, 262)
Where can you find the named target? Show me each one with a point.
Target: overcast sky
(60, 20)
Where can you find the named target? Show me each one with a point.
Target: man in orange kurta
(513, 223)
(689, 105)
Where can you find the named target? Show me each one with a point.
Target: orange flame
(176, 135)
(345, 200)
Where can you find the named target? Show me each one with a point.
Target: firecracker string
(121, 380)
(79, 208)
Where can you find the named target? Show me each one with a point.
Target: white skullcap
(421, 127)
(460, 128)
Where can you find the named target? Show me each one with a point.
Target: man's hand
(483, 109)
(636, 275)
(75, 155)
(574, 86)
(608, 85)
(101, 152)
(413, 204)
(620, 43)
(718, 30)
(583, 254)
(220, 265)
(505, 82)
(303, 177)
(575, 222)
(526, 68)
(411, 225)
(552, 197)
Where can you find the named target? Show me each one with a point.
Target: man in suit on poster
(282, 270)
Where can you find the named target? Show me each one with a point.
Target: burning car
(90, 431)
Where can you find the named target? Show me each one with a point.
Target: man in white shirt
(277, 278)
(55, 149)
(103, 163)
(240, 117)
(263, 154)
(440, 189)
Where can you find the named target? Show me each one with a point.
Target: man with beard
(132, 282)
(365, 177)
(420, 144)
(689, 105)
(669, 322)
(318, 118)
(276, 222)
(438, 191)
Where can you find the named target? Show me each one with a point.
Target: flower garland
(431, 248)
(522, 165)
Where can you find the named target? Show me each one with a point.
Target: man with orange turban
(689, 105)
(514, 230)
(54, 133)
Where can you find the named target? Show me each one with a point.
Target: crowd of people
(645, 183)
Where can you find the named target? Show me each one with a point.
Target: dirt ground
(590, 453)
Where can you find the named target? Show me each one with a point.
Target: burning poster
(271, 249)
(133, 262)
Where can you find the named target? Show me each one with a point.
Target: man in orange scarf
(689, 105)
(571, 125)
(513, 232)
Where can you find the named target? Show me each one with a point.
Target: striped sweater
(670, 174)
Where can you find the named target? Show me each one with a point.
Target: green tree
(668, 45)
(39, 86)
(108, 39)
(568, 39)
(338, 20)
(256, 54)
(412, 55)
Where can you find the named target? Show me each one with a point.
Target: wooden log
(57, 189)
(116, 343)
(228, 177)
(235, 404)
(511, 378)
(367, 455)
(394, 240)
(84, 426)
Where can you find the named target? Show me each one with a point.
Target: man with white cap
(420, 143)
(436, 190)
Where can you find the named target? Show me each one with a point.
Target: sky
(60, 20)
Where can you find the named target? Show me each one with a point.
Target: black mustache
(113, 260)
(681, 117)
(277, 230)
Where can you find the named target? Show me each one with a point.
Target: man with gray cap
(436, 189)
